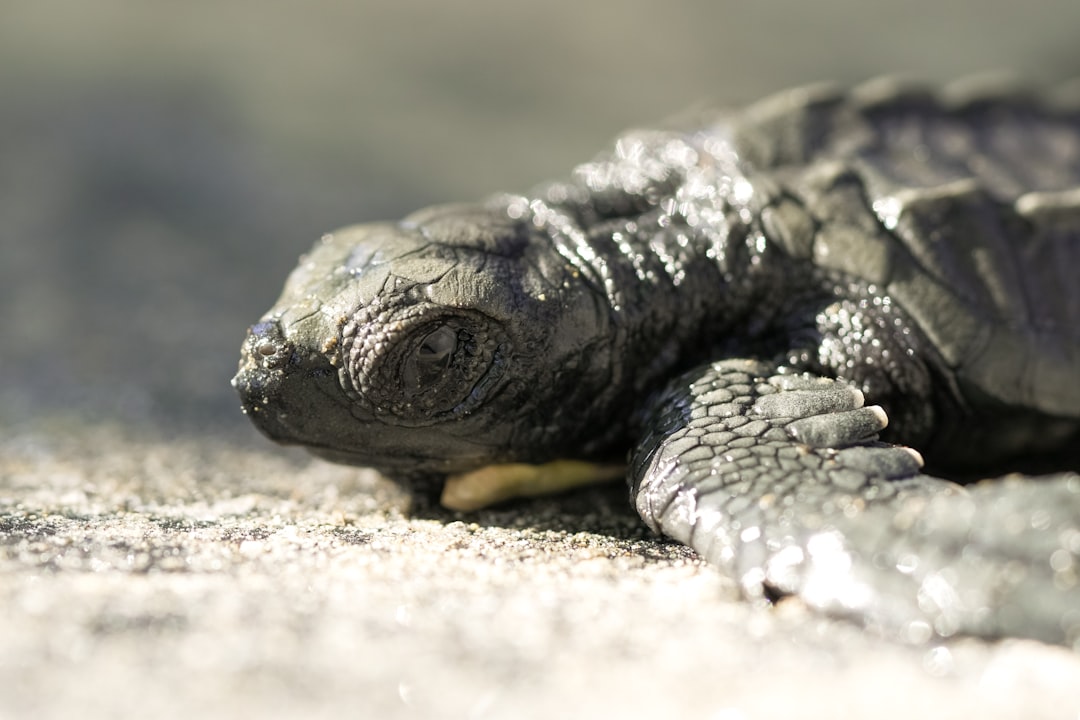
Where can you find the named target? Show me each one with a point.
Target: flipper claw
(839, 429)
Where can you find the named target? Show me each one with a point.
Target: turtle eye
(431, 358)
(437, 347)
(418, 370)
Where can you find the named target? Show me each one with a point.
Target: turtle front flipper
(777, 478)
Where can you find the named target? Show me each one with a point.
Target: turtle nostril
(258, 380)
(266, 344)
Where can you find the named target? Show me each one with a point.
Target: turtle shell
(962, 205)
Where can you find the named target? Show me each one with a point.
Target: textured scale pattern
(776, 478)
(948, 227)
(962, 205)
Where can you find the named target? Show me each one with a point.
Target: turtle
(803, 330)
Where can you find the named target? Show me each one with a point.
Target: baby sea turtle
(767, 310)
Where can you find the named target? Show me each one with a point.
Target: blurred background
(162, 165)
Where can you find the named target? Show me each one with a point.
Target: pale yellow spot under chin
(496, 483)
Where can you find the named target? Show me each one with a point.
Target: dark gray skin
(724, 303)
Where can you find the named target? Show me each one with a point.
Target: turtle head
(454, 339)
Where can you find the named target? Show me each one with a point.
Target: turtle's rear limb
(778, 479)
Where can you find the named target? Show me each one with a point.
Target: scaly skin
(910, 249)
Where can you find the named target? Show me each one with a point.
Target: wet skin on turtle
(764, 310)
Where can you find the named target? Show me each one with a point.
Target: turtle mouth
(406, 467)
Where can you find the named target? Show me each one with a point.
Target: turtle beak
(292, 395)
(264, 359)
